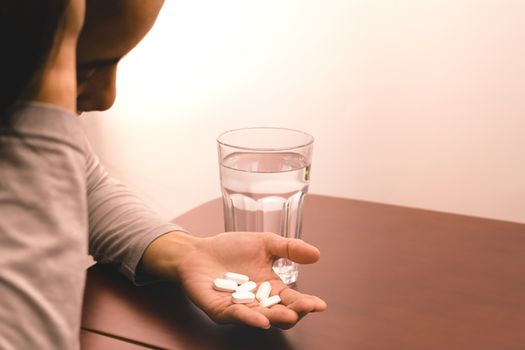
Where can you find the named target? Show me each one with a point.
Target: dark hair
(28, 30)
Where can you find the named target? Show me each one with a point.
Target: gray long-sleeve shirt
(57, 203)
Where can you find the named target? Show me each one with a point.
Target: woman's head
(111, 30)
(39, 39)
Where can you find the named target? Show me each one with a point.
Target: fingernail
(268, 327)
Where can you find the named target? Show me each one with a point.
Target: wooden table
(393, 278)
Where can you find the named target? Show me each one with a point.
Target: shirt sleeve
(121, 226)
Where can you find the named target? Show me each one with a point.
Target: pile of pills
(242, 289)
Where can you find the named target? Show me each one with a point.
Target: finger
(320, 304)
(280, 316)
(293, 249)
(301, 303)
(238, 313)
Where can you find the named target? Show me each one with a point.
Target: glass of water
(265, 173)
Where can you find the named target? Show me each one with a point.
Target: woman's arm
(121, 225)
(124, 230)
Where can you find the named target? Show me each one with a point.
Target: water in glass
(264, 191)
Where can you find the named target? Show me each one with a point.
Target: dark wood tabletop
(393, 278)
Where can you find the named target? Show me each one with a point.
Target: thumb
(293, 249)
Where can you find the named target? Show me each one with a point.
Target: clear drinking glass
(265, 173)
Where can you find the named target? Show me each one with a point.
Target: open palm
(251, 254)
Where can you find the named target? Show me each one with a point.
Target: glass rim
(287, 148)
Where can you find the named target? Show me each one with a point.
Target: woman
(57, 202)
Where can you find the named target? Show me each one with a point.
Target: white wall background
(417, 103)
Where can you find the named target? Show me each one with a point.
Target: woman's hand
(198, 261)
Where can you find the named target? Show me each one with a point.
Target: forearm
(165, 254)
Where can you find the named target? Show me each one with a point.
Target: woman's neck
(58, 85)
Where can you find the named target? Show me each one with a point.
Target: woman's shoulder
(49, 122)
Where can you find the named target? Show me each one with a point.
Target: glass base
(287, 270)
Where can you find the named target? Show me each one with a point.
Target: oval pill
(247, 287)
(271, 301)
(237, 277)
(243, 297)
(224, 285)
(264, 291)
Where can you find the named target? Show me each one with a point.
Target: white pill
(243, 297)
(224, 285)
(271, 301)
(237, 277)
(264, 291)
(247, 287)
